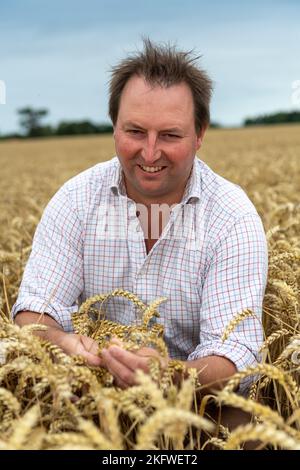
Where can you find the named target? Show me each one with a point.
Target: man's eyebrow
(137, 126)
(173, 129)
(132, 124)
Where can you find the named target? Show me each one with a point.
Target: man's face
(156, 140)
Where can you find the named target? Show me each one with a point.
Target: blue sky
(58, 54)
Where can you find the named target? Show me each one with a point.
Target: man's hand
(123, 364)
(70, 343)
(84, 346)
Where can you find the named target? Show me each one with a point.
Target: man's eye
(134, 131)
(172, 136)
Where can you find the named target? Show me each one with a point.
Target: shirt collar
(192, 189)
(193, 186)
(117, 184)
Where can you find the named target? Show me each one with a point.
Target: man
(212, 268)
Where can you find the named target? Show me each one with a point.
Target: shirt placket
(137, 254)
(135, 236)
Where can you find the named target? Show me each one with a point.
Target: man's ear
(200, 135)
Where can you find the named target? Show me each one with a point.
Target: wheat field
(51, 401)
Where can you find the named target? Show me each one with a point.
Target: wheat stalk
(265, 433)
(234, 322)
(161, 420)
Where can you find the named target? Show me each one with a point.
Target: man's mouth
(151, 169)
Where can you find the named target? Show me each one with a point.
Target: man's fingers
(115, 340)
(147, 352)
(120, 383)
(122, 373)
(91, 359)
(85, 347)
(128, 359)
(90, 345)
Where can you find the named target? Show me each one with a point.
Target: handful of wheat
(91, 322)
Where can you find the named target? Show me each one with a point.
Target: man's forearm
(54, 331)
(214, 371)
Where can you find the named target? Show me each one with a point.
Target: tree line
(280, 117)
(31, 123)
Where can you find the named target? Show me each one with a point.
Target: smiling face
(156, 140)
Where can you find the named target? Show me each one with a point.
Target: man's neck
(149, 202)
(169, 199)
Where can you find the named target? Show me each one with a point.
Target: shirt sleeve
(53, 276)
(236, 280)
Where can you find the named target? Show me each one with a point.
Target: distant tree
(76, 128)
(82, 127)
(30, 121)
(214, 125)
(105, 129)
(13, 135)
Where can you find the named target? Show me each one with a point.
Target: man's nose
(150, 151)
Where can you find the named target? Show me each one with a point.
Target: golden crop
(49, 400)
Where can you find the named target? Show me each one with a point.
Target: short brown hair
(163, 65)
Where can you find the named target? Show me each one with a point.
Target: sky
(57, 55)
